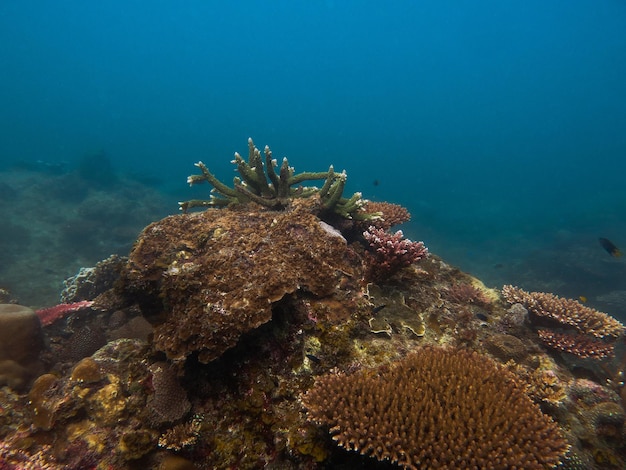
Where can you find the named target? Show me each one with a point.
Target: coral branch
(566, 312)
(388, 214)
(259, 182)
(579, 345)
(390, 252)
(573, 315)
(47, 316)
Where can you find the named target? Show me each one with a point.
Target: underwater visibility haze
(499, 126)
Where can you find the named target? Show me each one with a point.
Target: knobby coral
(438, 408)
(390, 252)
(258, 181)
(592, 332)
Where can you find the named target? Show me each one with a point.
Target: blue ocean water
(501, 126)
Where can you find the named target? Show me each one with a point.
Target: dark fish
(610, 248)
(379, 308)
(313, 358)
(376, 182)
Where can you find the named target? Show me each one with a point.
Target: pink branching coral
(390, 252)
(47, 316)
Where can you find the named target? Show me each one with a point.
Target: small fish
(314, 359)
(610, 248)
(376, 182)
(582, 299)
(379, 308)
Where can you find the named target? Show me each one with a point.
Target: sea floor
(54, 224)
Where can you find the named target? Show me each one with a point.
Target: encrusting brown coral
(214, 275)
(437, 408)
(596, 331)
(506, 347)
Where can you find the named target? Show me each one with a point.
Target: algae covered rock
(204, 279)
(21, 341)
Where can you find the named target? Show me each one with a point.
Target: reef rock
(205, 279)
(21, 341)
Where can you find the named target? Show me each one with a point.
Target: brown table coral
(214, 275)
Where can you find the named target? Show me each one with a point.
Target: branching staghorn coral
(594, 331)
(260, 182)
(438, 408)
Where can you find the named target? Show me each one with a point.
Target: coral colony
(288, 326)
(49, 315)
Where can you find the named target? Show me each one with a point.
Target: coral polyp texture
(388, 214)
(576, 344)
(260, 180)
(216, 274)
(437, 408)
(390, 252)
(592, 333)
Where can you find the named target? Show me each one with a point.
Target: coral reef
(392, 314)
(200, 348)
(597, 421)
(592, 333)
(111, 407)
(437, 408)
